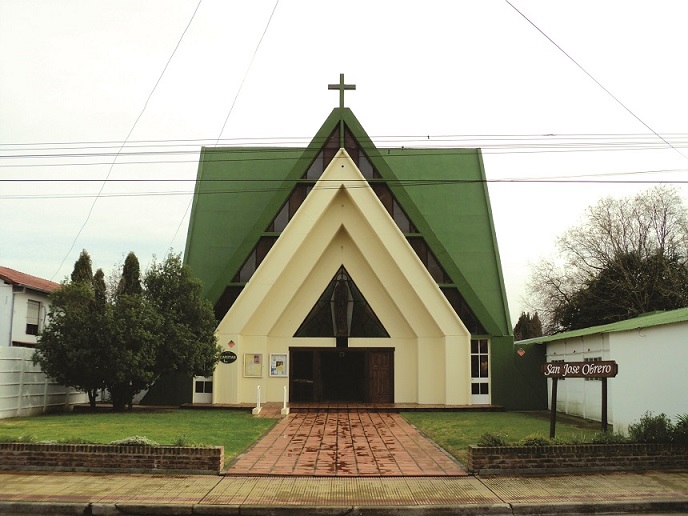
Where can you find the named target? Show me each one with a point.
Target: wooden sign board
(599, 369)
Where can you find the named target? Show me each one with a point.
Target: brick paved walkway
(345, 443)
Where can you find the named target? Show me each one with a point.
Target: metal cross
(341, 87)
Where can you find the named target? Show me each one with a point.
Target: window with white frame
(33, 317)
(480, 370)
(204, 387)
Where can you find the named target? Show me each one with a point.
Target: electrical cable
(616, 99)
(95, 200)
(229, 113)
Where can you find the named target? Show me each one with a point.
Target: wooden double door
(364, 375)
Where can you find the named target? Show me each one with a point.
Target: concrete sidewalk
(92, 493)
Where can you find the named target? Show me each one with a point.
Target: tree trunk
(92, 395)
(121, 396)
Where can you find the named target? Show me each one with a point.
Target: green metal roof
(643, 321)
(240, 190)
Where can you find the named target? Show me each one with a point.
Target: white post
(285, 409)
(258, 407)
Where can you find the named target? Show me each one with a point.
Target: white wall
(26, 391)
(577, 396)
(5, 313)
(21, 300)
(652, 375)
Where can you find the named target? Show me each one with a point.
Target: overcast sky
(79, 78)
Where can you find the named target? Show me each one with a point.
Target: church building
(345, 272)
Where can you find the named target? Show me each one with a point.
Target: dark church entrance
(363, 375)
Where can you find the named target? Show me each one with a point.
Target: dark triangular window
(341, 312)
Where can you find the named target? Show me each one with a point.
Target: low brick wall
(111, 458)
(500, 460)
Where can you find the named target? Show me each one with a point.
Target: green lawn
(455, 431)
(235, 430)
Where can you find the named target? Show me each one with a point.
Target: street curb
(43, 508)
(679, 505)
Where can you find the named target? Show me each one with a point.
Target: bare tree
(635, 237)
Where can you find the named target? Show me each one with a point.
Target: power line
(155, 86)
(616, 99)
(44, 161)
(307, 139)
(265, 180)
(363, 184)
(231, 109)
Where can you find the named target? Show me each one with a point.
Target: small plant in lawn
(535, 440)
(577, 439)
(492, 439)
(651, 429)
(135, 440)
(186, 442)
(608, 438)
(21, 439)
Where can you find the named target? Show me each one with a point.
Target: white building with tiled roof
(23, 307)
(24, 389)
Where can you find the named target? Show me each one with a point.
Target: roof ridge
(16, 277)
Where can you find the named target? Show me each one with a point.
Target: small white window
(480, 372)
(33, 317)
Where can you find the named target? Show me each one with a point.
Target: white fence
(26, 391)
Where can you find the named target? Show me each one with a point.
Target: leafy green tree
(130, 282)
(126, 341)
(628, 287)
(83, 270)
(71, 347)
(188, 325)
(133, 337)
(627, 257)
(100, 291)
(135, 344)
(527, 326)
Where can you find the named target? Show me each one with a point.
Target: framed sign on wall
(253, 365)
(278, 364)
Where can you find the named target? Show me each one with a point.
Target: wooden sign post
(601, 369)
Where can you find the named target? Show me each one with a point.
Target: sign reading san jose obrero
(599, 369)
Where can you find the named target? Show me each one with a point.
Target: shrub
(185, 441)
(575, 439)
(651, 429)
(21, 439)
(74, 440)
(680, 430)
(492, 439)
(136, 440)
(535, 440)
(608, 438)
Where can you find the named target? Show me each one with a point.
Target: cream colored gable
(342, 222)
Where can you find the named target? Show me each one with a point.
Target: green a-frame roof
(240, 190)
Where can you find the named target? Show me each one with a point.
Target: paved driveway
(344, 443)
